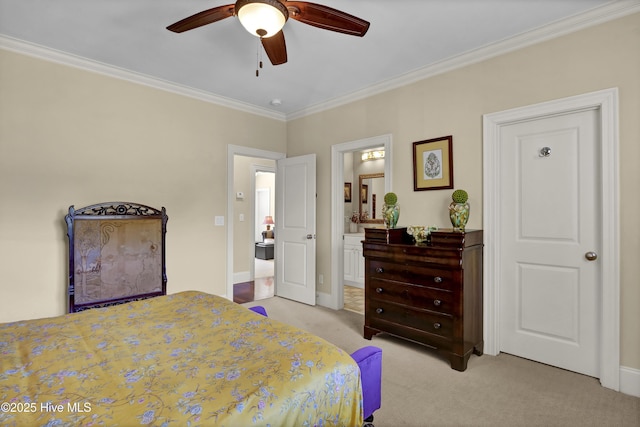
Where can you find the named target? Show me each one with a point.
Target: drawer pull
(379, 290)
(379, 270)
(437, 279)
(379, 310)
(437, 302)
(437, 325)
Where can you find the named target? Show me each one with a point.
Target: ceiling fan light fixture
(262, 18)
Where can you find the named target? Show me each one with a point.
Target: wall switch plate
(241, 217)
(219, 220)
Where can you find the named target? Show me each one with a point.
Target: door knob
(591, 256)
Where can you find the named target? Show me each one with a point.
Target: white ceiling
(406, 37)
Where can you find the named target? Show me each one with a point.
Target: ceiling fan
(265, 19)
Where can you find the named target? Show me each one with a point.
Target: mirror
(371, 196)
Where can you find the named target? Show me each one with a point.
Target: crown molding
(598, 15)
(608, 12)
(63, 58)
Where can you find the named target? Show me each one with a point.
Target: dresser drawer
(379, 312)
(417, 275)
(412, 295)
(430, 294)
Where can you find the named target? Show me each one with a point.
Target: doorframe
(336, 299)
(232, 151)
(606, 102)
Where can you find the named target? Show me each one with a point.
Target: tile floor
(354, 299)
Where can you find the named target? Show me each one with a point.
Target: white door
(295, 241)
(549, 307)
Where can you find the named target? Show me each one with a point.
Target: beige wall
(71, 137)
(453, 104)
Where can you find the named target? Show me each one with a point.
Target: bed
(184, 359)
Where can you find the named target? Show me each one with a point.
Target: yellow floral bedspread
(187, 359)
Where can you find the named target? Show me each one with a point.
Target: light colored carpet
(420, 389)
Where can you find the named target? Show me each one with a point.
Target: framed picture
(433, 164)
(347, 192)
(364, 193)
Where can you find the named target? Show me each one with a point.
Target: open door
(295, 242)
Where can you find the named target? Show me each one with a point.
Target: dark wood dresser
(429, 293)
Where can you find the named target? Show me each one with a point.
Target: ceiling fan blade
(327, 18)
(276, 48)
(203, 18)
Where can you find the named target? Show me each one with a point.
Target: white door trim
(336, 299)
(606, 101)
(232, 151)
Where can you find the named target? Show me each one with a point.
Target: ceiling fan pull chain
(258, 57)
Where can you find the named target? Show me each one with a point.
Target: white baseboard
(630, 381)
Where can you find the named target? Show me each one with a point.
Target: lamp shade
(262, 18)
(268, 220)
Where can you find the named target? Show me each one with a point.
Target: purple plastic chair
(369, 359)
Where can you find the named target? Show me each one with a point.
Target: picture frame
(347, 192)
(433, 164)
(364, 193)
(116, 254)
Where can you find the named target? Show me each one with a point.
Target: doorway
(242, 223)
(264, 237)
(335, 299)
(295, 200)
(523, 280)
(254, 186)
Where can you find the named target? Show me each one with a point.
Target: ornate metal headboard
(116, 254)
